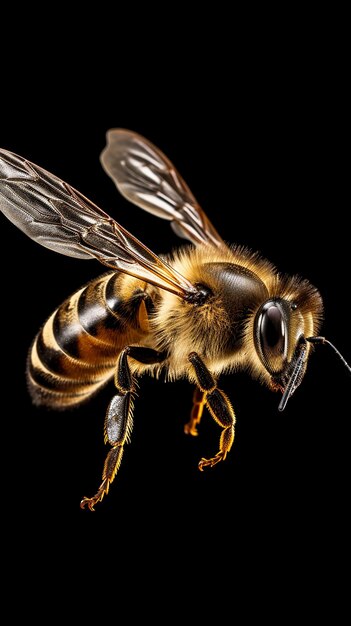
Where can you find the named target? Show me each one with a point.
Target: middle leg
(219, 406)
(199, 402)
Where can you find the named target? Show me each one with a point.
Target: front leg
(219, 406)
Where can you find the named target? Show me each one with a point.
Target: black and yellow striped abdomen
(75, 352)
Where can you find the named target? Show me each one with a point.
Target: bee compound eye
(272, 332)
(272, 328)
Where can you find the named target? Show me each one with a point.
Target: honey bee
(205, 309)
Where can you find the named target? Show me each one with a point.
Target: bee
(207, 308)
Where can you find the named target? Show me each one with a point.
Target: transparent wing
(145, 176)
(62, 219)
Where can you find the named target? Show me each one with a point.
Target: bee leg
(118, 428)
(218, 405)
(199, 401)
(119, 417)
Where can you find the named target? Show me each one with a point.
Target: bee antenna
(323, 340)
(293, 380)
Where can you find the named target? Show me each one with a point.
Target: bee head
(280, 327)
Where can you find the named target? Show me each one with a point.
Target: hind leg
(119, 417)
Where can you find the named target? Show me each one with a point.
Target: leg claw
(89, 502)
(220, 456)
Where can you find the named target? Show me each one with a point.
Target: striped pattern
(75, 352)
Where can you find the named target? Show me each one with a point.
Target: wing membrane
(146, 177)
(60, 218)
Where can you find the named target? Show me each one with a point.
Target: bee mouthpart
(296, 375)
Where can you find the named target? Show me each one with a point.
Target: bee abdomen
(75, 352)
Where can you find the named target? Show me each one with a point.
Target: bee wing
(146, 177)
(62, 219)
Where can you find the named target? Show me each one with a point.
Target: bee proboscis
(205, 309)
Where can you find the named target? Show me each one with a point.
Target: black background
(262, 148)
